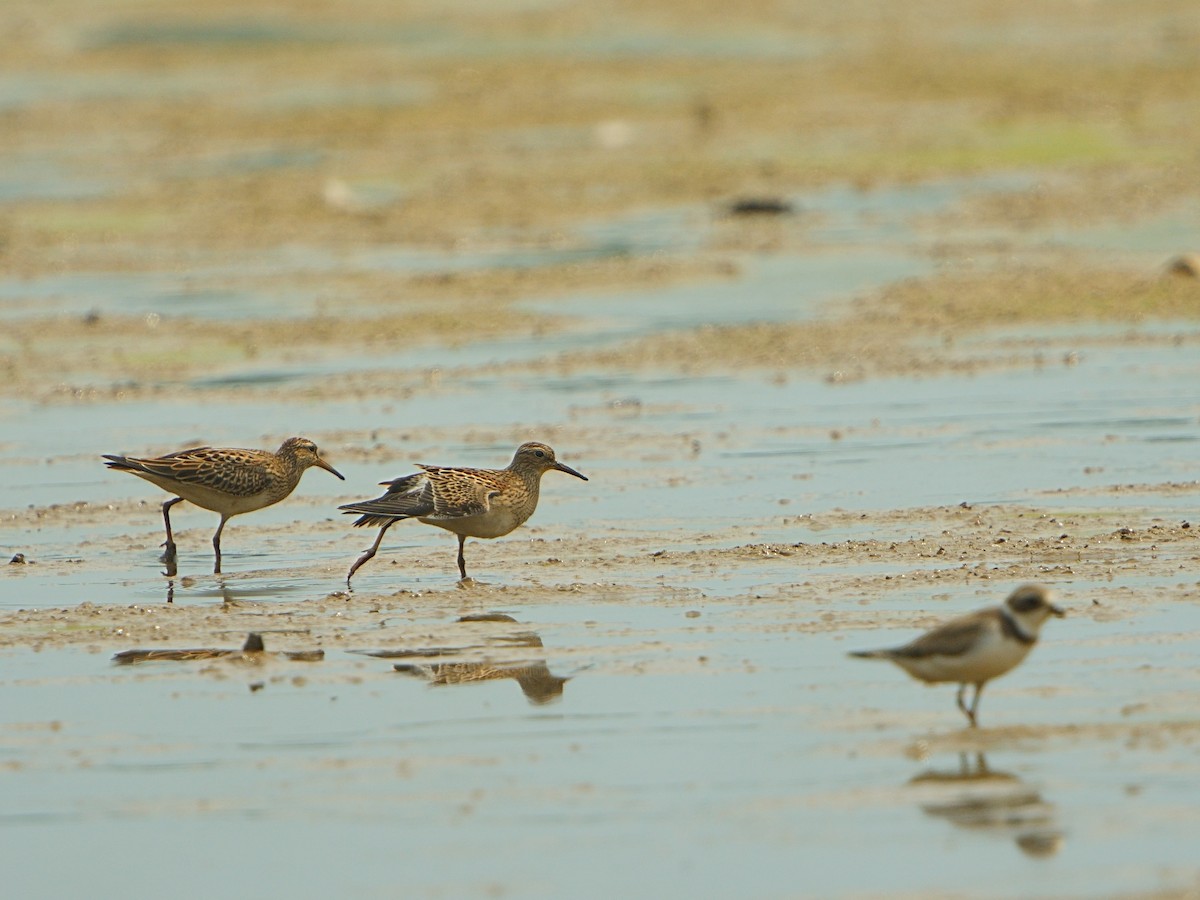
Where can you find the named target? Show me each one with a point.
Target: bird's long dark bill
(328, 468)
(564, 468)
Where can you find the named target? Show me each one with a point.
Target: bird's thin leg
(169, 553)
(370, 552)
(975, 705)
(217, 545)
(969, 713)
(462, 560)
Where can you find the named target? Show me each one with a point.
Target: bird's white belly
(218, 501)
(492, 524)
(991, 657)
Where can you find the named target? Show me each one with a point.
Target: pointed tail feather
(390, 507)
(120, 463)
(375, 512)
(373, 519)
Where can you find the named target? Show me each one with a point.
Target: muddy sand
(943, 354)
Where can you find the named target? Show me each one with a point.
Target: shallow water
(745, 767)
(738, 746)
(745, 445)
(860, 239)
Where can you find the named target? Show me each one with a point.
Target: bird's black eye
(539, 454)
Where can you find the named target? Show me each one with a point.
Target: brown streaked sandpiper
(539, 685)
(226, 481)
(975, 648)
(479, 503)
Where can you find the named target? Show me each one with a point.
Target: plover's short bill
(226, 480)
(975, 648)
(479, 503)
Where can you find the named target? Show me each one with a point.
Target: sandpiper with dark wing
(975, 648)
(479, 503)
(227, 481)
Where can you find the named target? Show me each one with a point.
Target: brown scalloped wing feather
(233, 471)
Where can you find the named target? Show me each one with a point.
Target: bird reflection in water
(253, 651)
(978, 798)
(539, 685)
(228, 598)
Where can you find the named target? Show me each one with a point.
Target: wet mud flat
(589, 678)
(673, 685)
(841, 358)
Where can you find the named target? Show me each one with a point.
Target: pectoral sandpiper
(480, 503)
(227, 481)
(977, 647)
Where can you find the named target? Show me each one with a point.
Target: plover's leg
(370, 552)
(975, 705)
(969, 713)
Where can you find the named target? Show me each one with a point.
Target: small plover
(975, 648)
